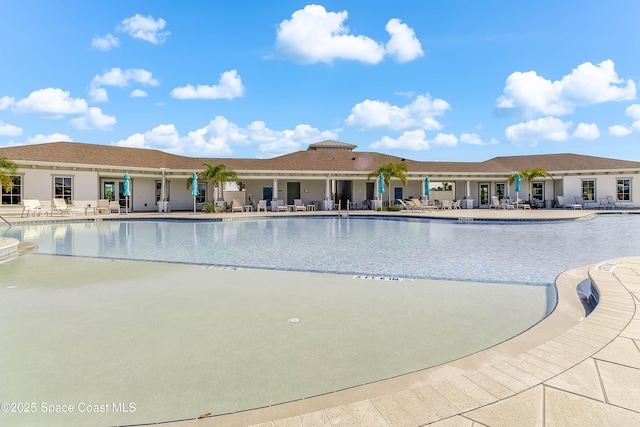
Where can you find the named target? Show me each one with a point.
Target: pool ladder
(342, 214)
(1, 217)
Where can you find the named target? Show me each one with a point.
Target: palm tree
(8, 171)
(219, 175)
(391, 170)
(529, 175)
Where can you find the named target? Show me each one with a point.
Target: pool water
(533, 253)
(182, 339)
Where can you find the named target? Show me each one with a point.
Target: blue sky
(427, 80)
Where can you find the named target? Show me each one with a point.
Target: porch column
(467, 189)
(274, 196)
(327, 204)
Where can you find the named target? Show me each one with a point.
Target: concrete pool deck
(566, 370)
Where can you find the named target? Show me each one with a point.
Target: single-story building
(327, 173)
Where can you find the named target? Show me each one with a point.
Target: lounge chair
(236, 206)
(619, 203)
(562, 204)
(455, 204)
(59, 205)
(586, 203)
(298, 205)
(446, 204)
(114, 206)
(280, 206)
(262, 205)
(495, 203)
(103, 206)
(604, 203)
(519, 204)
(416, 205)
(403, 206)
(31, 207)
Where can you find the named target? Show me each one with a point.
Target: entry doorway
(483, 191)
(344, 192)
(113, 190)
(267, 194)
(293, 192)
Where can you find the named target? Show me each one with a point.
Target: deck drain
(294, 320)
(608, 266)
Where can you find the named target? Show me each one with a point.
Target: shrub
(208, 207)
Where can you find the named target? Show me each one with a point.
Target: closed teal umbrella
(426, 186)
(517, 183)
(126, 192)
(194, 189)
(381, 184)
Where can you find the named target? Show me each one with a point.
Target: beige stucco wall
(606, 185)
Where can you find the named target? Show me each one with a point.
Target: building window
(500, 190)
(202, 189)
(63, 189)
(13, 197)
(166, 190)
(589, 190)
(397, 193)
(624, 189)
(537, 190)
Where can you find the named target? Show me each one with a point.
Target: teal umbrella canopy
(194, 185)
(380, 184)
(126, 190)
(517, 183)
(426, 186)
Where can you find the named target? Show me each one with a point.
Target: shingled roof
(75, 153)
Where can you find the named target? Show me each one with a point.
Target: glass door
(484, 194)
(112, 190)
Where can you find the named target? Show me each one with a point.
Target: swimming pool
(184, 339)
(498, 252)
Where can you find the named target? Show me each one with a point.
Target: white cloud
(107, 42)
(274, 142)
(587, 84)
(138, 93)
(50, 101)
(145, 28)
(531, 132)
(588, 131)
(418, 114)
(220, 135)
(122, 78)
(119, 78)
(43, 139)
(94, 118)
(315, 35)
(163, 137)
(415, 140)
(475, 139)
(446, 139)
(229, 87)
(403, 45)
(411, 140)
(9, 130)
(99, 94)
(619, 130)
(6, 102)
(632, 111)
